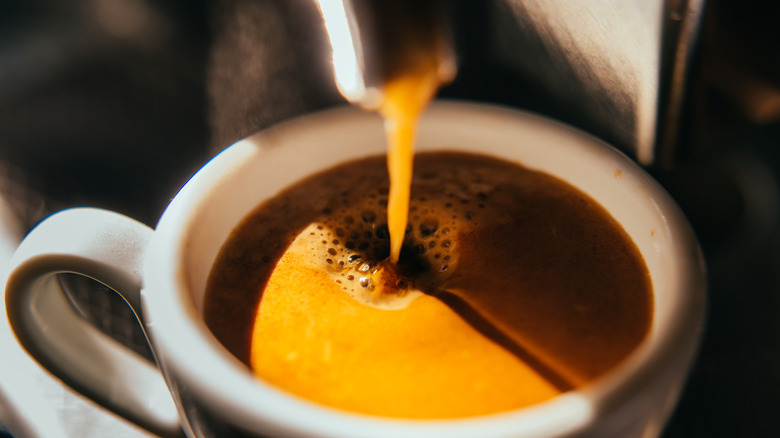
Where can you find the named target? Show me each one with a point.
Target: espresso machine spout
(373, 40)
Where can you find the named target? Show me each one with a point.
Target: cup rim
(177, 329)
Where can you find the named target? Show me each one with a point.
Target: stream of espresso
(405, 98)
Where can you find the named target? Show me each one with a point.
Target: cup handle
(109, 248)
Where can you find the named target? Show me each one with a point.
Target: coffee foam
(350, 240)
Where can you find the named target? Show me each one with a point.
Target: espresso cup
(202, 389)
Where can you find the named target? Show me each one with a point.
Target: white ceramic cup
(162, 274)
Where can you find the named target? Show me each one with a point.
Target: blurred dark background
(101, 102)
(114, 103)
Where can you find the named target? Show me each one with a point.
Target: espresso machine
(616, 69)
(113, 103)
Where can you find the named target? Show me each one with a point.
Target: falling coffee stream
(405, 98)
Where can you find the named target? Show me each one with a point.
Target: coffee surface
(512, 287)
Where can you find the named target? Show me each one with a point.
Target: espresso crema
(511, 287)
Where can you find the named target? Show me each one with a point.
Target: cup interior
(236, 181)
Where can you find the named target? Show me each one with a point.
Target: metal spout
(373, 41)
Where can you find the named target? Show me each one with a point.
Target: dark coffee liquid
(528, 261)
